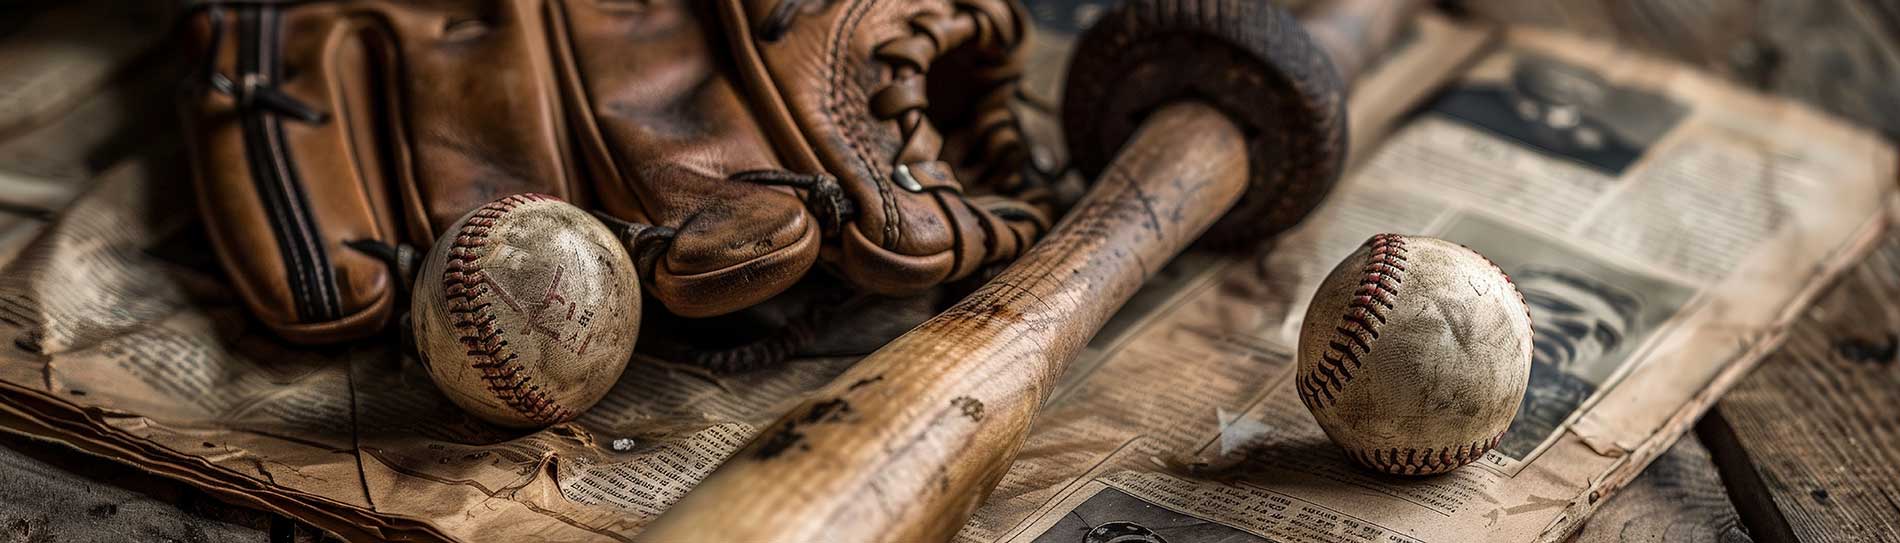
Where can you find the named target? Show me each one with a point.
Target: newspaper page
(124, 340)
(126, 344)
(1664, 228)
(78, 87)
(121, 338)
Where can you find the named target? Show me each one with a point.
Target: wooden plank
(46, 498)
(1840, 55)
(53, 493)
(1680, 497)
(1810, 442)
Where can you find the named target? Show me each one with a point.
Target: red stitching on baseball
(464, 285)
(1378, 291)
(1426, 461)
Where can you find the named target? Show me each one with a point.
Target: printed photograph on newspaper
(1631, 203)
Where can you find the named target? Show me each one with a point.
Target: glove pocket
(287, 169)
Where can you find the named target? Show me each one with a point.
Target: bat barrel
(905, 444)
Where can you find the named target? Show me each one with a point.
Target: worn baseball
(1414, 355)
(526, 311)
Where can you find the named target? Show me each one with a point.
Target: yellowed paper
(1663, 226)
(1592, 175)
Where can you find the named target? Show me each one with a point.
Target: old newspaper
(1664, 226)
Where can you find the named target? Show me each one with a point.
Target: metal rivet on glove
(904, 179)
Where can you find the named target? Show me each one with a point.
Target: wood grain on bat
(915, 435)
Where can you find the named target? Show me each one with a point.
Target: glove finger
(736, 246)
(277, 206)
(982, 230)
(478, 113)
(663, 131)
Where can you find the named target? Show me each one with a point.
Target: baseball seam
(464, 286)
(1358, 327)
(1425, 461)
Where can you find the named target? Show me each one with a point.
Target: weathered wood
(904, 445)
(52, 493)
(1840, 55)
(1680, 497)
(1817, 426)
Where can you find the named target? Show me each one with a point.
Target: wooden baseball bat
(905, 444)
(1353, 33)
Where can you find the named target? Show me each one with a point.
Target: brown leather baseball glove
(740, 143)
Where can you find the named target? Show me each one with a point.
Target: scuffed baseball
(526, 311)
(1414, 355)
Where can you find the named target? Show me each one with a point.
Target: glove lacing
(904, 98)
(1000, 147)
(255, 91)
(822, 194)
(645, 243)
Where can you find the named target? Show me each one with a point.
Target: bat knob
(1246, 58)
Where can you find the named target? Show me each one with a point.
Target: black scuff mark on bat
(943, 480)
(781, 440)
(971, 407)
(830, 410)
(791, 434)
(1153, 224)
(865, 382)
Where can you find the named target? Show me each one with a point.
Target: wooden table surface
(1806, 448)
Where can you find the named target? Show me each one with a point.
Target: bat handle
(905, 444)
(1353, 33)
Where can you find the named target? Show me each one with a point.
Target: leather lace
(402, 259)
(822, 194)
(645, 243)
(904, 97)
(252, 91)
